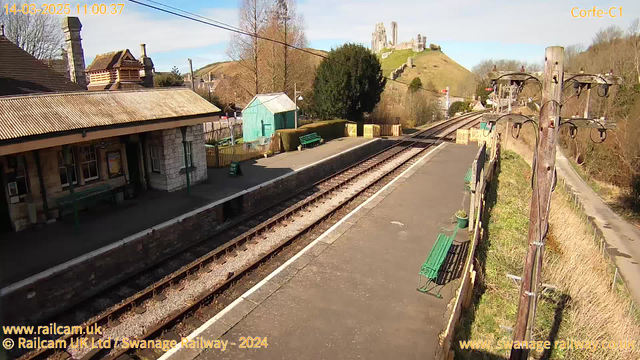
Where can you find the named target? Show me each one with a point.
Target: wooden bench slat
(437, 255)
(84, 194)
(309, 138)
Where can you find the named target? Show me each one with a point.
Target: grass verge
(583, 308)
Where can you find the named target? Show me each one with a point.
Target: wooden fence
(374, 130)
(479, 184)
(224, 156)
(217, 130)
(390, 130)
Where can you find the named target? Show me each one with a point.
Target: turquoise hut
(267, 113)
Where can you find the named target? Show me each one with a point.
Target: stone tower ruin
(379, 38)
(394, 33)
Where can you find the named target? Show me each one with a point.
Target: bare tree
(283, 66)
(39, 35)
(570, 54)
(245, 49)
(607, 35)
(634, 40)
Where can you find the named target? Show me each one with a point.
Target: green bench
(310, 139)
(84, 197)
(431, 267)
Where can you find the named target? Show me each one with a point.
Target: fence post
(472, 191)
(615, 277)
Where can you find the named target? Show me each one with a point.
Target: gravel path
(133, 325)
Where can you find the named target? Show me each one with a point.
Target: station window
(89, 162)
(17, 184)
(156, 155)
(189, 155)
(64, 175)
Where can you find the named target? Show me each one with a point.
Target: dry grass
(595, 312)
(583, 308)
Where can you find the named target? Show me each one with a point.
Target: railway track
(168, 295)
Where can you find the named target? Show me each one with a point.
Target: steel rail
(245, 237)
(177, 315)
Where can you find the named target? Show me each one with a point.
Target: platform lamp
(296, 98)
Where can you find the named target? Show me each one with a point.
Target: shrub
(291, 137)
(415, 85)
(330, 129)
(459, 106)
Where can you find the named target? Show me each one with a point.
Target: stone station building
(97, 143)
(63, 147)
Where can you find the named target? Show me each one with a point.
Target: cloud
(161, 33)
(541, 22)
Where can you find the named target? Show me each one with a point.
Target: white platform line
(257, 286)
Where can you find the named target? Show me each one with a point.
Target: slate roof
(21, 73)
(114, 60)
(31, 115)
(276, 102)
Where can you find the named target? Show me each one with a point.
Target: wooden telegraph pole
(544, 173)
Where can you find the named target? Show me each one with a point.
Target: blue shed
(267, 113)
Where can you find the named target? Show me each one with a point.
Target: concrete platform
(32, 251)
(352, 292)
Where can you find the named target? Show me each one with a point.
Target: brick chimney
(71, 27)
(147, 73)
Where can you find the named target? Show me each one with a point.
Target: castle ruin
(379, 40)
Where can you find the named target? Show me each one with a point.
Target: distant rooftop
(21, 73)
(32, 115)
(275, 102)
(114, 60)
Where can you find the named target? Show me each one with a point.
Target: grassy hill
(232, 68)
(429, 66)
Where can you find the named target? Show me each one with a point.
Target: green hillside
(429, 66)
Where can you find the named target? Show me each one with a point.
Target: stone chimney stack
(147, 73)
(65, 58)
(71, 27)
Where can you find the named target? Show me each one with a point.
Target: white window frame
(73, 166)
(189, 155)
(22, 178)
(86, 150)
(155, 152)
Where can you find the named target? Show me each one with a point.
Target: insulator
(603, 134)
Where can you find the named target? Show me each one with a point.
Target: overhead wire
(221, 25)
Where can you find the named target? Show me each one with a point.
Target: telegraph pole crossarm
(544, 172)
(547, 124)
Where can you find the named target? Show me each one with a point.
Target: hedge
(327, 130)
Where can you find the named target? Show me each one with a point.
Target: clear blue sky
(467, 30)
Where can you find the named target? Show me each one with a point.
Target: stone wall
(50, 292)
(171, 176)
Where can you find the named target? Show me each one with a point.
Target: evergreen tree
(348, 83)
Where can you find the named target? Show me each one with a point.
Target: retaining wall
(52, 291)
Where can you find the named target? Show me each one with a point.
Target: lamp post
(295, 99)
